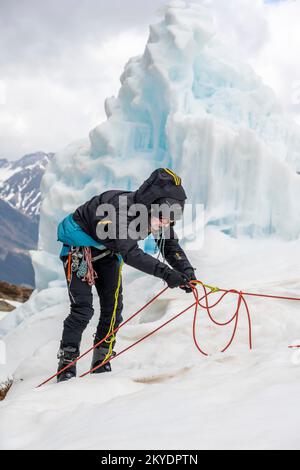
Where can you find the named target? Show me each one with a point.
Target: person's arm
(175, 256)
(138, 259)
(173, 252)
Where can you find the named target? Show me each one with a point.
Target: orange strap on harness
(69, 267)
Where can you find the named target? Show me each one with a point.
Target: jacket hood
(163, 183)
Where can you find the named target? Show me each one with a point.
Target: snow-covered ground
(186, 103)
(2, 315)
(163, 394)
(12, 302)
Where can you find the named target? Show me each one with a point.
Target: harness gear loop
(69, 267)
(105, 253)
(91, 274)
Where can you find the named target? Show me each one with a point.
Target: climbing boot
(99, 355)
(67, 355)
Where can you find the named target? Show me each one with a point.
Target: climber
(93, 253)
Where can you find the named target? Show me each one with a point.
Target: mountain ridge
(20, 200)
(20, 182)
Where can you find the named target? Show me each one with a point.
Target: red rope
(139, 341)
(91, 274)
(100, 342)
(266, 296)
(234, 319)
(197, 303)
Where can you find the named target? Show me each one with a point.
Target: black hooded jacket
(161, 183)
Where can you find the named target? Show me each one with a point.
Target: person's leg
(81, 311)
(109, 288)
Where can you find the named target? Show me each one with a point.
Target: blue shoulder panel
(70, 233)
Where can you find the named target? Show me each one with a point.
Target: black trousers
(108, 270)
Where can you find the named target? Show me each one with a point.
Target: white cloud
(3, 92)
(48, 111)
(55, 75)
(57, 68)
(278, 60)
(242, 22)
(268, 37)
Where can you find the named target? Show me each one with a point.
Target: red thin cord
(139, 341)
(197, 303)
(234, 319)
(102, 341)
(266, 296)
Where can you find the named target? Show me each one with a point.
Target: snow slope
(163, 394)
(188, 104)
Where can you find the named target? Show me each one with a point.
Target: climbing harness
(241, 301)
(89, 274)
(80, 262)
(103, 255)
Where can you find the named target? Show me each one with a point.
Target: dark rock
(6, 307)
(4, 388)
(13, 292)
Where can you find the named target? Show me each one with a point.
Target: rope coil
(91, 274)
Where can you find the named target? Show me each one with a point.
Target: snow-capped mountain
(19, 234)
(20, 200)
(20, 182)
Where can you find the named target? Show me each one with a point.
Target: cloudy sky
(59, 59)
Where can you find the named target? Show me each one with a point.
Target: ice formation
(187, 104)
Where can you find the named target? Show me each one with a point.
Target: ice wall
(187, 104)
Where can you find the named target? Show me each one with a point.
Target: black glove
(190, 275)
(175, 279)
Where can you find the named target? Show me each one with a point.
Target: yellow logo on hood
(176, 178)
